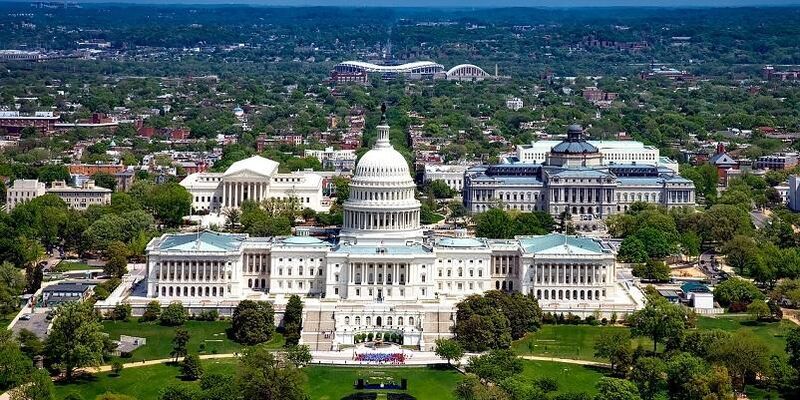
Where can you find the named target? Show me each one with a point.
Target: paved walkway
(345, 357)
(568, 361)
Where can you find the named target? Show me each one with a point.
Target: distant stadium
(359, 71)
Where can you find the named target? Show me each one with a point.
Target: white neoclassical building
(255, 179)
(382, 274)
(578, 178)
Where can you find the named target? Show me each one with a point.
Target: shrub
(117, 367)
(208, 315)
(173, 315)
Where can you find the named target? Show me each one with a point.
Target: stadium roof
(402, 68)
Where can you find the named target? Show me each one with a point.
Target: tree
(169, 202)
(759, 310)
(50, 173)
(616, 389)
(38, 386)
(744, 356)
(179, 343)
(105, 180)
(299, 355)
(173, 315)
(648, 375)
(439, 189)
(660, 320)
(632, 250)
(495, 365)
(76, 338)
(523, 312)
(449, 350)
(739, 251)
(736, 291)
(121, 312)
(793, 348)
(152, 312)
(293, 320)
(471, 388)
(700, 342)
(30, 344)
(15, 367)
(259, 376)
(179, 392)
(690, 378)
(218, 386)
(494, 224)
(252, 322)
(12, 284)
(657, 242)
(616, 347)
(519, 388)
(652, 270)
(116, 367)
(191, 368)
(117, 264)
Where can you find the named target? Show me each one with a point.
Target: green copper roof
(303, 240)
(460, 242)
(204, 241)
(556, 243)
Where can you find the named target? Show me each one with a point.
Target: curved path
(344, 358)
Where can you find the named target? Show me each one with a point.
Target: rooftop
(555, 243)
(204, 241)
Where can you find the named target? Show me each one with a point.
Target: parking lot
(37, 324)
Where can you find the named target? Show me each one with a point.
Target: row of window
(192, 291)
(378, 321)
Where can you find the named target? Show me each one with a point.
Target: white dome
(382, 208)
(382, 162)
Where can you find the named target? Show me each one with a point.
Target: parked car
(25, 317)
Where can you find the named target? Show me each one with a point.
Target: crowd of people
(382, 358)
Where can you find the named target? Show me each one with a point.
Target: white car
(25, 317)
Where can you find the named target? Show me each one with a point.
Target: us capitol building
(383, 274)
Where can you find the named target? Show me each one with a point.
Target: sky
(472, 3)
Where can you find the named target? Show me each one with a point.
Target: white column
(224, 193)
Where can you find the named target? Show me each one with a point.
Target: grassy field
(567, 341)
(333, 383)
(773, 334)
(570, 377)
(143, 383)
(159, 338)
(577, 341)
(324, 383)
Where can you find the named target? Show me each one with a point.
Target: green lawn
(333, 383)
(773, 334)
(144, 383)
(570, 377)
(567, 341)
(324, 383)
(159, 338)
(577, 341)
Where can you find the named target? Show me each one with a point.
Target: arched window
(358, 320)
(347, 320)
(400, 321)
(389, 321)
(368, 320)
(411, 321)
